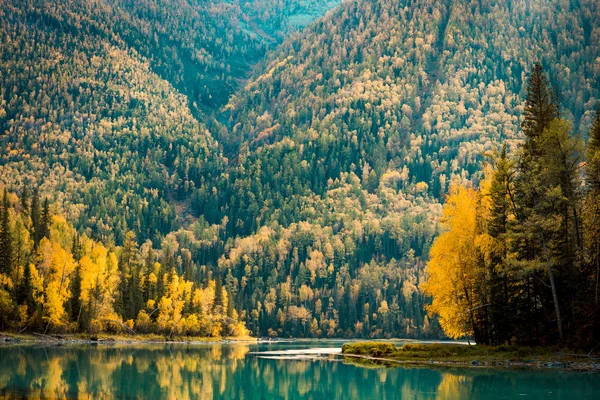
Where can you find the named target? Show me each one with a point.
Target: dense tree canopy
(311, 192)
(66, 282)
(518, 260)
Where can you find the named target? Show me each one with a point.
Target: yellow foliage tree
(456, 257)
(170, 317)
(61, 266)
(99, 281)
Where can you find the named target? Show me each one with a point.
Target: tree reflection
(228, 371)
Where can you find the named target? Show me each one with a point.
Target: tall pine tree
(540, 108)
(36, 216)
(6, 247)
(218, 303)
(533, 234)
(501, 275)
(45, 220)
(591, 211)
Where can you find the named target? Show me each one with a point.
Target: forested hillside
(111, 97)
(518, 261)
(360, 125)
(429, 85)
(53, 279)
(317, 205)
(87, 120)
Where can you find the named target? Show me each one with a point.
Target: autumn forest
(322, 169)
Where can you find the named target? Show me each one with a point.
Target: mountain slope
(103, 103)
(319, 220)
(418, 83)
(84, 116)
(359, 125)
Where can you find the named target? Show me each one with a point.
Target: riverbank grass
(385, 353)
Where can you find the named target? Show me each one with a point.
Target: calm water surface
(242, 371)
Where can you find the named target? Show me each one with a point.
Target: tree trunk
(554, 292)
(597, 270)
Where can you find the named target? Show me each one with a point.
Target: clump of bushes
(374, 349)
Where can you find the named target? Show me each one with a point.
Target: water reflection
(235, 372)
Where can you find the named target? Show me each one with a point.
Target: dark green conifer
(25, 198)
(593, 155)
(75, 301)
(25, 290)
(45, 220)
(540, 108)
(36, 216)
(6, 245)
(218, 292)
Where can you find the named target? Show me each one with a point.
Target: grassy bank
(441, 354)
(9, 337)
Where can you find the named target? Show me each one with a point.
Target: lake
(278, 370)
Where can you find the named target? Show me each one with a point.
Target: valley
(267, 168)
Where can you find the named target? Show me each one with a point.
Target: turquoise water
(241, 371)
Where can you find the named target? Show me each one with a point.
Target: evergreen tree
(45, 220)
(188, 267)
(501, 311)
(218, 303)
(25, 290)
(126, 298)
(555, 213)
(6, 245)
(593, 155)
(148, 291)
(137, 298)
(36, 216)
(75, 300)
(229, 303)
(128, 251)
(76, 249)
(25, 198)
(590, 311)
(534, 201)
(501, 192)
(160, 283)
(540, 108)
(121, 303)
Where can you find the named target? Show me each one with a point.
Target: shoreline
(8, 338)
(369, 354)
(516, 365)
(360, 354)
